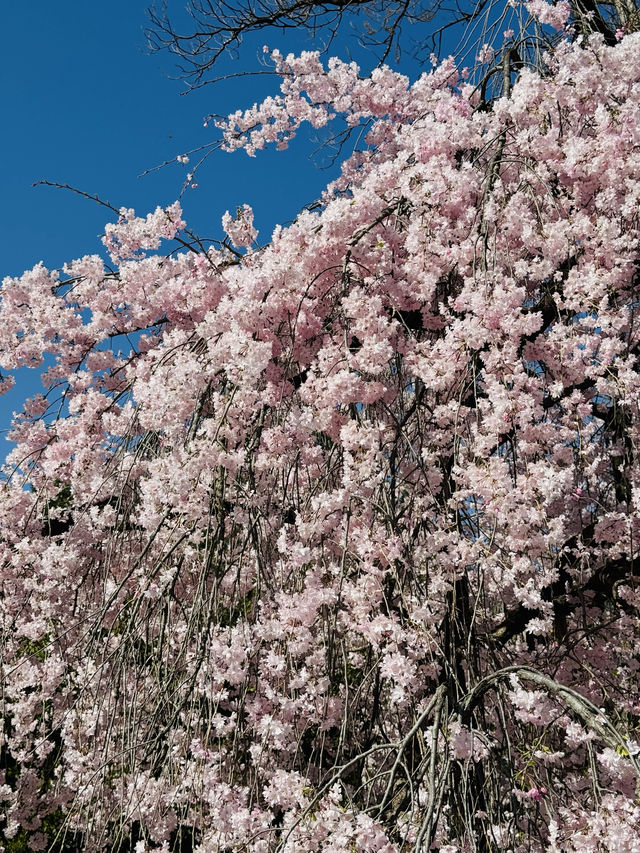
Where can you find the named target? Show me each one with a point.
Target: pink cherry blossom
(331, 544)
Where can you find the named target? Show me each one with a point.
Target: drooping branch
(593, 717)
(217, 28)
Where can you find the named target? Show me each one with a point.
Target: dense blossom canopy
(332, 543)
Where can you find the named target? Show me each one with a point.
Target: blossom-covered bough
(332, 545)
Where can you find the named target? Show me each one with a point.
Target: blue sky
(84, 103)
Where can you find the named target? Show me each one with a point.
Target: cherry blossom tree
(331, 543)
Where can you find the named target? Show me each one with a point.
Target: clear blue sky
(84, 103)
